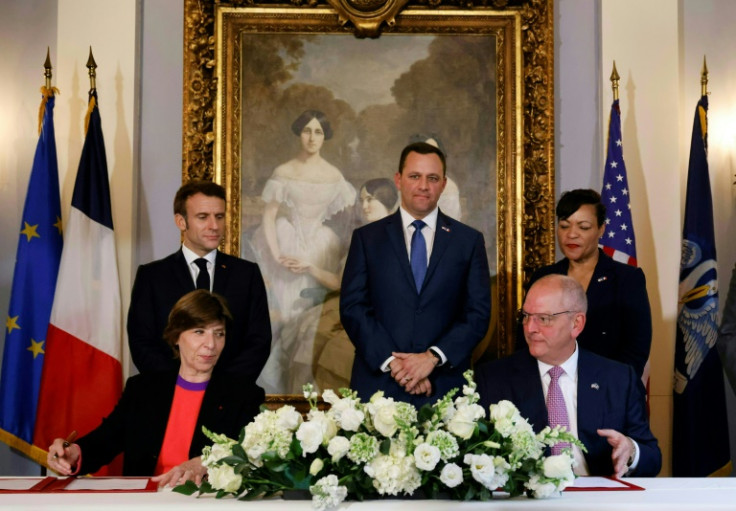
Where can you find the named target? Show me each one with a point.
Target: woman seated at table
(619, 320)
(157, 424)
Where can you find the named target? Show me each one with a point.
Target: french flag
(82, 373)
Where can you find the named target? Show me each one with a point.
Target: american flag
(618, 241)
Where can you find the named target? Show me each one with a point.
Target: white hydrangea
(445, 442)
(393, 474)
(327, 493)
(265, 434)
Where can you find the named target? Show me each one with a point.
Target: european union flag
(700, 444)
(34, 283)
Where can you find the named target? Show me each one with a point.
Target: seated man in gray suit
(601, 401)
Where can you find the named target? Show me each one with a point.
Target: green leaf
(188, 488)
(239, 451)
(385, 446)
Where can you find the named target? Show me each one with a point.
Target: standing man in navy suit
(603, 400)
(199, 213)
(415, 297)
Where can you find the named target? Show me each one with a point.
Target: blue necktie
(418, 254)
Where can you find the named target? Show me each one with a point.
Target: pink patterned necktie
(556, 410)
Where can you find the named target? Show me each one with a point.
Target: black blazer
(159, 284)
(610, 395)
(137, 425)
(618, 324)
(382, 311)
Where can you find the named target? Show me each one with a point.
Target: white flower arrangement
(386, 447)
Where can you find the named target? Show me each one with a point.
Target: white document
(106, 483)
(25, 483)
(598, 482)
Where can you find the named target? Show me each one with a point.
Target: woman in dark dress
(619, 320)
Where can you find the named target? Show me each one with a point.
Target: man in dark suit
(199, 213)
(415, 297)
(610, 418)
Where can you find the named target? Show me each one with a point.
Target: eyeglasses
(542, 319)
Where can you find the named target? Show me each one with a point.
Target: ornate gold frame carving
(525, 125)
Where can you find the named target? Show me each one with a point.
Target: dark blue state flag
(618, 240)
(700, 444)
(32, 295)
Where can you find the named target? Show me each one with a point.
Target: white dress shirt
(569, 386)
(190, 257)
(428, 232)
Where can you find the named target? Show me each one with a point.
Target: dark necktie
(203, 279)
(418, 254)
(556, 409)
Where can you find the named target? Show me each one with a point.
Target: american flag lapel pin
(601, 279)
(594, 386)
(445, 228)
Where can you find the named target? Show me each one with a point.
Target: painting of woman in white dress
(323, 353)
(294, 247)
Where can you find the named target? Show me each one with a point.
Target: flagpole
(92, 66)
(614, 81)
(47, 68)
(704, 79)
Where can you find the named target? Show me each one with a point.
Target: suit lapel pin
(445, 228)
(594, 386)
(601, 279)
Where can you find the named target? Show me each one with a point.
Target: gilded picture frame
(522, 55)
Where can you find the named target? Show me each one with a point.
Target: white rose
(462, 423)
(451, 475)
(310, 436)
(329, 396)
(316, 466)
(338, 447)
(384, 419)
(325, 422)
(426, 456)
(223, 477)
(216, 453)
(288, 418)
(503, 410)
(558, 467)
(351, 419)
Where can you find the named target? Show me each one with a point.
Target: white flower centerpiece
(386, 447)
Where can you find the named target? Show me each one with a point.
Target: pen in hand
(68, 441)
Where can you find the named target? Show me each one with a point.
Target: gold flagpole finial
(92, 66)
(704, 79)
(614, 81)
(47, 68)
